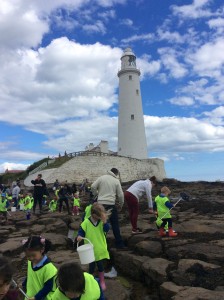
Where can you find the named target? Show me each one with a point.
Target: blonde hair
(165, 190)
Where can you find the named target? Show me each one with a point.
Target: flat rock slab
(149, 248)
(155, 270)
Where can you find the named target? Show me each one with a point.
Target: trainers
(111, 274)
(137, 231)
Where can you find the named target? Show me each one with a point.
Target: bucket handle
(84, 239)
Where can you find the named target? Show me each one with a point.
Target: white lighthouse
(131, 128)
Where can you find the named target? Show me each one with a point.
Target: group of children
(44, 281)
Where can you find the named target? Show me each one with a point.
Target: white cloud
(63, 80)
(12, 166)
(173, 134)
(198, 9)
(215, 116)
(171, 37)
(148, 37)
(186, 101)
(169, 58)
(98, 26)
(126, 22)
(208, 60)
(216, 23)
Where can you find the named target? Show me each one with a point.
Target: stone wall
(91, 167)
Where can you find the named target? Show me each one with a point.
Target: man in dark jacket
(39, 190)
(63, 195)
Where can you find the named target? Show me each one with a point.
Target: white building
(131, 128)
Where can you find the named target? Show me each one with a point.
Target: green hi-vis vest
(97, 237)
(27, 203)
(88, 211)
(31, 202)
(92, 290)
(3, 204)
(76, 202)
(53, 205)
(21, 201)
(161, 207)
(36, 279)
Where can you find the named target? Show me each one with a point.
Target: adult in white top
(132, 196)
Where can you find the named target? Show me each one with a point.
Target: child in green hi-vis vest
(39, 283)
(53, 205)
(4, 204)
(76, 204)
(95, 228)
(75, 284)
(162, 205)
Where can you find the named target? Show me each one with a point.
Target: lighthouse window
(132, 117)
(137, 92)
(130, 77)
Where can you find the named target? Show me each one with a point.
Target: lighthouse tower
(131, 128)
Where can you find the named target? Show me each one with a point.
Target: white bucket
(21, 207)
(13, 209)
(86, 253)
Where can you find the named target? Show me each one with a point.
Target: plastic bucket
(21, 206)
(86, 253)
(13, 209)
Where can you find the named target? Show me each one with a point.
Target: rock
(197, 273)
(37, 229)
(155, 270)
(169, 289)
(129, 264)
(196, 293)
(11, 247)
(115, 290)
(149, 248)
(58, 240)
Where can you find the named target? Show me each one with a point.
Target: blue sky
(59, 87)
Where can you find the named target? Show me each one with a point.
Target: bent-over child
(95, 228)
(39, 283)
(75, 284)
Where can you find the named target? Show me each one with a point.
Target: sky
(59, 87)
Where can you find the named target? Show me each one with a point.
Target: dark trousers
(92, 266)
(61, 200)
(169, 221)
(133, 208)
(15, 200)
(37, 199)
(115, 225)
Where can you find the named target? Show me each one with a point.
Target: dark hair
(6, 270)
(39, 175)
(115, 171)
(37, 243)
(153, 180)
(71, 278)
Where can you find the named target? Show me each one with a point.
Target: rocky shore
(190, 266)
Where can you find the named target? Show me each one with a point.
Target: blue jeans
(99, 264)
(115, 225)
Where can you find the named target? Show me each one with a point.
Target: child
(162, 205)
(75, 284)
(27, 205)
(4, 204)
(41, 272)
(6, 272)
(95, 228)
(76, 204)
(53, 204)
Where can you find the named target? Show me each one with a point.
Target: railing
(42, 166)
(90, 153)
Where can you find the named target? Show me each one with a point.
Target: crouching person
(75, 284)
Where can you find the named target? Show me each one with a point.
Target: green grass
(58, 162)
